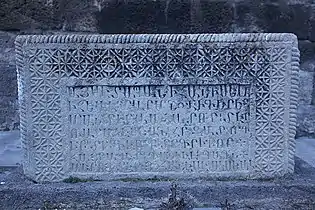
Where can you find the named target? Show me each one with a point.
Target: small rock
(2, 183)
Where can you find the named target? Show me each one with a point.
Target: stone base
(293, 192)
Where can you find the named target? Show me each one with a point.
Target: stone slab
(176, 106)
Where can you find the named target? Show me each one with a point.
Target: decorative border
(22, 41)
(153, 38)
(295, 67)
(22, 107)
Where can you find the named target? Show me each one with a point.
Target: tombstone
(142, 106)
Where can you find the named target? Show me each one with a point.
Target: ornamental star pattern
(266, 66)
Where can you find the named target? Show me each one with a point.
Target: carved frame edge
(154, 38)
(294, 91)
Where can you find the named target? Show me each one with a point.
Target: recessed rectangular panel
(159, 128)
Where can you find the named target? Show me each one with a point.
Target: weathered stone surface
(245, 18)
(306, 110)
(307, 50)
(216, 16)
(275, 17)
(10, 149)
(42, 15)
(306, 121)
(286, 18)
(165, 16)
(75, 15)
(306, 87)
(159, 16)
(9, 118)
(144, 105)
(25, 15)
(143, 17)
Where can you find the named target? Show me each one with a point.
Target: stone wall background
(157, 16)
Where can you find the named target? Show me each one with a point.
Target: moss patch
(153, 179)
(7, 168)
(73, 180)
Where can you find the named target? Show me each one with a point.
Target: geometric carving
(58, 74)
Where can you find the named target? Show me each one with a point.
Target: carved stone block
(176, 106)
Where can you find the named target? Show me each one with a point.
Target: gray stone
(306, 121)
(307, 73)
(165, 16)
(305, 148)
(65, 15)
(197, 16)
(176, 106)
(19, 15)
(10, 148)
(9, 117)
(306, 87)
(282, 17)
(307, 50)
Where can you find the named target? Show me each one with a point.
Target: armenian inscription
(177, 106)
(155, 128)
